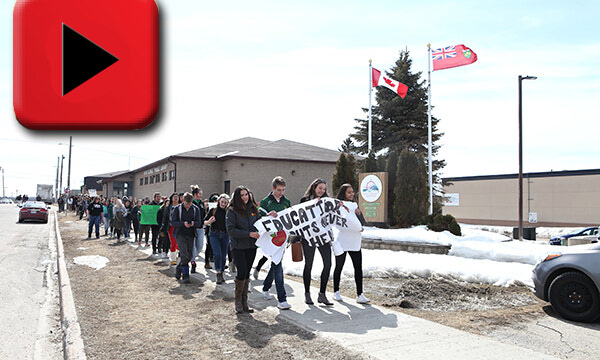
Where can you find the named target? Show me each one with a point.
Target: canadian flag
(397, 87)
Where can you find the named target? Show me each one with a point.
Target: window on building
(141, 181)
(227, 187)
(157, 178)
(152, 179)
(146, 180)
(171, 174)
(164, 176)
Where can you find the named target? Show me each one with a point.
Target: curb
(73, 348)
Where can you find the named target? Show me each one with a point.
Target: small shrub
(440, 223)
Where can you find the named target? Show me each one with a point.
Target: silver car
(570, 282)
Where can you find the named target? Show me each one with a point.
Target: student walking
(270, 205)
(120, 213)
(218, 234)
(185, 219)
(135, 218)
(239, 219)
(94, 214)
(168, 214)
(316, 190)
(351, 240)
(199, 240)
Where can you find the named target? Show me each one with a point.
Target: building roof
(250, 147)
(526, 175)
(109, 175)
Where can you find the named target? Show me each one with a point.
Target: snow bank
(94, 261)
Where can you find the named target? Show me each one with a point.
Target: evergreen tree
(345, 172)
(392, 169)
(401, 124)
(348, 146)
(370, 163)
(411, 190)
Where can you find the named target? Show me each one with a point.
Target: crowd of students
(184, 220)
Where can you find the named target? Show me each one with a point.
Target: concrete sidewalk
(380, 332)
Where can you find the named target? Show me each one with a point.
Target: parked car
(558, 240)
(570, 282)
(6, 201)
(33, 210)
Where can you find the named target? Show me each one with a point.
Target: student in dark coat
(239, 220)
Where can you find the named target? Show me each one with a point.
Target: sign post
(372, 196)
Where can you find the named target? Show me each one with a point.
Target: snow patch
(94, 261)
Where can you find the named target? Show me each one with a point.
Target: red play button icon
(85, 64)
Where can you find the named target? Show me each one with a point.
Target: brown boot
(245, 297)
(239, 287)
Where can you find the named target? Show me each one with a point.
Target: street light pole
(61, 173)
(521, 78)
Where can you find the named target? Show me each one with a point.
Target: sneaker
(139, 243)
(147, 244)
(362, 299)
(284, 305)
(337, 296)
(255, 274)
(267, 295)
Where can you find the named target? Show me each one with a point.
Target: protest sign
(313, 220)
(148, 214)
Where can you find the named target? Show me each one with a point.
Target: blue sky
(299, 71)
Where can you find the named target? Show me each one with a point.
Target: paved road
(28, 320)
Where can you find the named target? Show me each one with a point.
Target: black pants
(309, 256)
(186, 249)
(164, 242)
(155, 231)
(356, 257)
(208, 252)
(261, 262)
(243, 259)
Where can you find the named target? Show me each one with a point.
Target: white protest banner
(313, 220)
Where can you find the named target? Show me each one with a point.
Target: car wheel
(20, 220)
(575, 297)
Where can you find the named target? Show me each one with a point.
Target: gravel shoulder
(135, 309)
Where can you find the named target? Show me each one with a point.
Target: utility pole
(61, 173)
(3, 195)
(69, 171)
(56, 189)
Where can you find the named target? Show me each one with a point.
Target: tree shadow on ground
(257, 334)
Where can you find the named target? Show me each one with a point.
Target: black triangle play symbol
(82, 59)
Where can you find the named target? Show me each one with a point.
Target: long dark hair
(237, 204)
(310, 191)
(341, 195)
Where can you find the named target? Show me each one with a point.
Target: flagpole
(370, 90)
(429, 128)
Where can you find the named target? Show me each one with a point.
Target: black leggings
(309, 255)
(243, 259)
(356, 257)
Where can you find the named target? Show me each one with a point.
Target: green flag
(149, 214)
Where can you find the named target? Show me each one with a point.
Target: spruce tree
(411, 190)
(392, 169)
(401, 124)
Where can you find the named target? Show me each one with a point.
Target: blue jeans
(220, 243)
(198, 243)
(126, 228)
(94, 220)
(276, 272)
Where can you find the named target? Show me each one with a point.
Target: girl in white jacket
(351, 241)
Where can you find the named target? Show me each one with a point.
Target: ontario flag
(397, 87)
(452, 56)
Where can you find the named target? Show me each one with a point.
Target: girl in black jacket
(239, 219)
